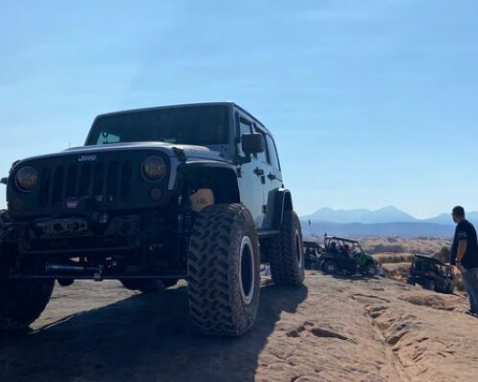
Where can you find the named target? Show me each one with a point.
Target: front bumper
(78, 235)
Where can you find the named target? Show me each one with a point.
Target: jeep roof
(430, 259)
(219, 103)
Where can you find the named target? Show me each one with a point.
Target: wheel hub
(247, 270)
(300, 255)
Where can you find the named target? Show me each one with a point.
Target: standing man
(464, 254)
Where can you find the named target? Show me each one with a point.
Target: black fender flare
(281, 202)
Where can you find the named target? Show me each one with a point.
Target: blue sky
(372, 103)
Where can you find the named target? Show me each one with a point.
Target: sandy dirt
(330, 330)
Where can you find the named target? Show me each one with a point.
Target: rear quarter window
(271, 146)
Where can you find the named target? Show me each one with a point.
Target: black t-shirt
(465, 231)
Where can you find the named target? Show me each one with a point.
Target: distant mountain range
(383, 215)
(388, 221)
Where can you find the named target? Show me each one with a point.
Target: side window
(264, 156)
(272, 152)
(245, 127)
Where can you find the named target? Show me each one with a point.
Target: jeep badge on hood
(87, 158)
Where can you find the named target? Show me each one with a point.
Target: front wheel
(450, 288)
(369, 270)
(224, 270)
(22, 301)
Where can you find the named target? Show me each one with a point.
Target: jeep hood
(190, 152)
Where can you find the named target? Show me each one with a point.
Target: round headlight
(26, 178)
(154, 168)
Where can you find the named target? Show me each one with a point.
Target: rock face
(330, 330)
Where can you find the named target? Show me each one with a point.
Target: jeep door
(269, 162)
(251, 179)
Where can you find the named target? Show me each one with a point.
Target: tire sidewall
(300, 251)
(297, 250)
(244, 228)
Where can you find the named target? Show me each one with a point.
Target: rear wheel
(447, 287)
(430, 285)
(330, 267)
(223, 270)
(286, 255)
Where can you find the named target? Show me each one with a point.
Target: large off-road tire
(285, 252)
(223, 270)
(148, 285)
(21, 300)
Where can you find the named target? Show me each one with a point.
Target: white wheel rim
(247, 270)
(300, 254)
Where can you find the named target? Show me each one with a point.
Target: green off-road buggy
(431, 274)
(345, 256)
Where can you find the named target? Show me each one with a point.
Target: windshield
(194, 125)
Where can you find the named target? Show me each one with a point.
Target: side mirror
(253, 143)
(4, 181)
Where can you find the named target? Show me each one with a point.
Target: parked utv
(431, 274)
(312, 252)
(155, 195)
(345, 256)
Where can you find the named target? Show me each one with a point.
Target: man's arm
(462, 246)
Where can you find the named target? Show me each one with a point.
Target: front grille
(111, 181)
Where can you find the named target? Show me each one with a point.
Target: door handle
(271, 176)
(258, 171)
